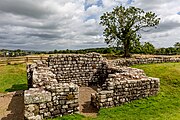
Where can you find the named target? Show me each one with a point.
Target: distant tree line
(109, 50)
(137, 48)
(14, 53)
(148, 48)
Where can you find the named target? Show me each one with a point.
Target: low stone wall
(133, 61)
(54, 100)
(83, 70)
(124, 85)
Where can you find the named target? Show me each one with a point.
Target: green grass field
(13, 77)
(164, 106)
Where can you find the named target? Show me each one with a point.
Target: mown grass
(13, 77)
(164, 106)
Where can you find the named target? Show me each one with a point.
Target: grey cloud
(58, 31)
(92, 33)
(1, 37)
(24, 7)
(44, 35)
(27, 22)
(169, 25)
(165, 26)
(92, 42)
(31, 24)
(17, 42)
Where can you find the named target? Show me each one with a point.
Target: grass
(164, 106)
(13, 77)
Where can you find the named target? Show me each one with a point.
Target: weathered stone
(31, 110)
(37, 117)
(36, 95)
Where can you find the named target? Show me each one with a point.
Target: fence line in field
(18, 60)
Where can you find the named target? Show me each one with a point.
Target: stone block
(36, 95)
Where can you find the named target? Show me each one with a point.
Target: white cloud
(91, 1)
(74, 24)
(168, 31)
(108, 3)
(93, 10)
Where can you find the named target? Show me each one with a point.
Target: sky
(74, 24)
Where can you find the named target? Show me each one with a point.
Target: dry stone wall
(124, 85)
(133, 61)
(83, 70)
(53, 100)
(54, 83)
(39, 74)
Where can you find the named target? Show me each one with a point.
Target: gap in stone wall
(85, 106)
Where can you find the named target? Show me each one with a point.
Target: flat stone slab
(36, 95)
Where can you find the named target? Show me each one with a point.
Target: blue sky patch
(130, 1)
(97, 3)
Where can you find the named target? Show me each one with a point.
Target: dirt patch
(86, 108)
(11, 106)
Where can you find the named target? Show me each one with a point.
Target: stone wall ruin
(124, 85)
(139, 60)
(83, 70)
(54, 84)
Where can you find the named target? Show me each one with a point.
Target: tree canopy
(122, 26)
(177, 45)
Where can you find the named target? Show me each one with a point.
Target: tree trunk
(127, 48)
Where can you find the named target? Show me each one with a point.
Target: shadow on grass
(16, 87)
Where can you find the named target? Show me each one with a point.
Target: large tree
(122, 26)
